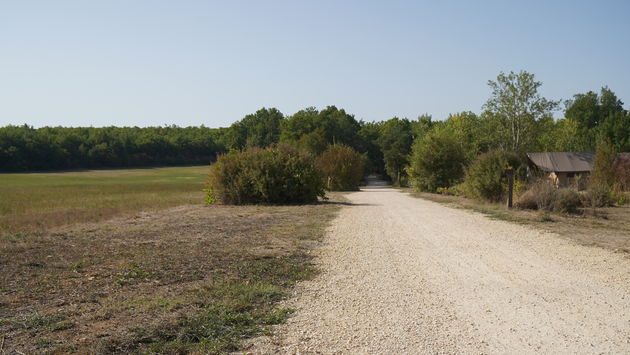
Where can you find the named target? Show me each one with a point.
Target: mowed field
(133, 261)
(41, 200)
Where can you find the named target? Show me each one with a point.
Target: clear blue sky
(124, 62)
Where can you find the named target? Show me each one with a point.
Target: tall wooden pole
(510, 175)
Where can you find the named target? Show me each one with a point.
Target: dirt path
(404, 275)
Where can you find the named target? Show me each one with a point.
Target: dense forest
(515, 118)
(23, 148)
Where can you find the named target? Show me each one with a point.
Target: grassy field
(156, 272)
(602, 227)
(38, 201)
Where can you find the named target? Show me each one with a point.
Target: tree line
(24, 148)
(515, 118)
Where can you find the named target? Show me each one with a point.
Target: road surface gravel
(405, 275)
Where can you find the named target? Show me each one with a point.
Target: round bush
(597, 196)
(341, 167)
(567, 201)
(437, 162)
(539, 196)
(485, 177)
(276, 175)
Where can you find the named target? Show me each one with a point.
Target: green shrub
(597, 196)
(455, 190)
(485, 177)
(277, 174)
(566, 201)
(621, 198)
(341, 167)
(603, 174)
(622, 174)
(437, 161)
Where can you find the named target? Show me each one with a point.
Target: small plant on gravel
(275, 175)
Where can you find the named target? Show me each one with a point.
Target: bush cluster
(542, 195)
(341, 167)
(278, 174)
(485, 177)
(622, 174)
(597, 196)
(566, 201)
(437, 162)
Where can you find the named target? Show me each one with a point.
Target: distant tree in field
(342, 168)
(516, 107)
(437, 160)
(395, 143)
(259, 129)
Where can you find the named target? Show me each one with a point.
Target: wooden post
(510, 175)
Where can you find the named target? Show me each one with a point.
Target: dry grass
(602, 227)
(101, 262)
(188, 279)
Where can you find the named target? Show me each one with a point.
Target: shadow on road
(347, 203)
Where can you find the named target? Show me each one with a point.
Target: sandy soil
(406, 275)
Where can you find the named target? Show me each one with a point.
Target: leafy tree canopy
(517, 107)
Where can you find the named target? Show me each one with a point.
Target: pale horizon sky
(152, 63)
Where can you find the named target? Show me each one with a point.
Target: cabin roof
(563, 162)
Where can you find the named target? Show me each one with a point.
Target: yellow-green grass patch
(36, 201)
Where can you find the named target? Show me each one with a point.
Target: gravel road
(405, 275)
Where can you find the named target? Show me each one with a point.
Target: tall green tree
(599, 118)
(473, 133)
(437, 160)
(422, 126)
(259, 129)
(314, 130)
(370, 134)
(603, 174)
(395, 142)
(517, 108)
(561, 136)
